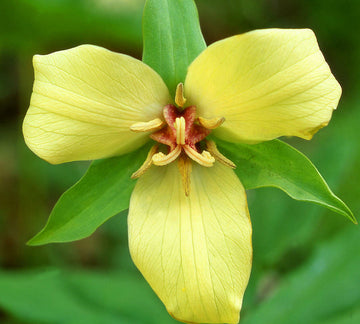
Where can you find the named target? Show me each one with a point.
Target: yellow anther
(180, 130)
(205, 158)
(184, 165)
(146, 165)
(179, 95)
(211, 123)
(211, 146)
(164, 159)
(149, 126)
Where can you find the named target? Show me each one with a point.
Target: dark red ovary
(193, 133)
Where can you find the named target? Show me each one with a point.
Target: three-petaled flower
(189, 226)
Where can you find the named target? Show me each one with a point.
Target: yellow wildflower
(189, 226)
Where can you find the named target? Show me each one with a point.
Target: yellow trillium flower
(189, 226)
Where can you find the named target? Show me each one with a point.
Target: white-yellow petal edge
(266, 83)
(84, 101)
(194, 251)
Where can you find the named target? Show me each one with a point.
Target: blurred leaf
(44, 298)
(101, 193)
(80, 297)
(29, 23)
(172, 38)
(350, 317)
(282, 227)
(134, 297)
(322, 289)
(277, 164)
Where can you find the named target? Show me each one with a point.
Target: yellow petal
(266, 83)
(194, 251)
(84, 101)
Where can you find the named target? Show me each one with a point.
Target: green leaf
(172, 38)
(80, 297)
(277, 164)
(322, 289)
(280, 223)
(101, 193)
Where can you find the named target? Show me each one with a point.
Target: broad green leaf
(277, 164)
(80, 297)
(172, 38)
(280, 223)
(101, 193)
(321, 290)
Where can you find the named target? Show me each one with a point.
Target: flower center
(184, 134)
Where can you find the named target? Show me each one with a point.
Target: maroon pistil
(194, 133)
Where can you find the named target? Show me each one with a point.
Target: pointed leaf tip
(262, 165)
(101, 193)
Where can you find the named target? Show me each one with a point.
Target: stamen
(205, 158)
(179, 95)
(163, 159)
(212, 148)
(184, 165)
(149, 126)
(180, 130)
(146, 165)
(211, 123)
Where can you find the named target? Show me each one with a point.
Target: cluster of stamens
(183, 133)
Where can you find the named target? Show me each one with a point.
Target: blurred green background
(306, 259)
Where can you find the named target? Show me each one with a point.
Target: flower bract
(189, 225)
